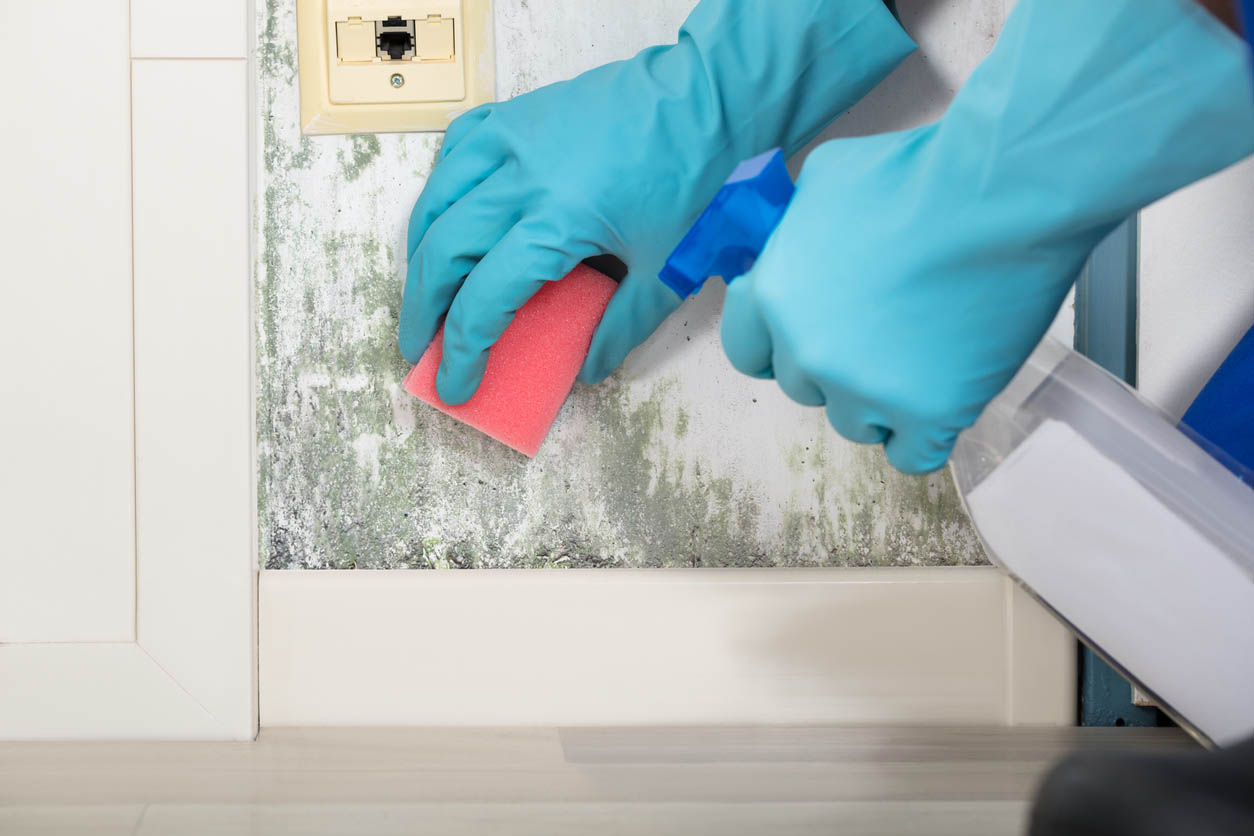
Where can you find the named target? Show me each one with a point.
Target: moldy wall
(676, 461)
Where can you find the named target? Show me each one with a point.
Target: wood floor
(728, 781)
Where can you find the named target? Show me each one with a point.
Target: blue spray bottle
(729, 235)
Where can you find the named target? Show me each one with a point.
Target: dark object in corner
(1195, 793)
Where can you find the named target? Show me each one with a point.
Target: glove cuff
(778, 73)
(1087, 111)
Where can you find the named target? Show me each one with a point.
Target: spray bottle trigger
(730, 234)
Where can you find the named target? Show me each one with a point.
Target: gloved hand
(620, 161)
(915, 272)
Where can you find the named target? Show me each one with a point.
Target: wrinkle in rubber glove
(620, 161)
(914, 272)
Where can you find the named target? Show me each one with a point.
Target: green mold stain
(363, 150)
(681, 424)
(666, 514)
(276, 48)
(882, 517)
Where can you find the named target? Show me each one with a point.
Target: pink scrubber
(532, 367)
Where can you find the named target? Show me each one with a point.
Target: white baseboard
(627, 647)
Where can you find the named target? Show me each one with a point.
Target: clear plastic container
(1124, 527)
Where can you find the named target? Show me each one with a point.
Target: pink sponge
(532, 367)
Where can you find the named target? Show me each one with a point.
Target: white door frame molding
(189, 672)
(660, 647)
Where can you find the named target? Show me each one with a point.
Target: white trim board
(67, 559)
(190, 672)
(646, 647)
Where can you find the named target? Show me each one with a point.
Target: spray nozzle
(730, 234)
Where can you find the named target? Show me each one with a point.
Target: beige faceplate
(376, 66)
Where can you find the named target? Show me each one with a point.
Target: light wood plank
(189, 28)
(66, 491)
(681, 780)
(646, 647)
(194, 420)
(672, 764)
(865, 818)
(78, 820)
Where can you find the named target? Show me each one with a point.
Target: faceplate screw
(398, 80)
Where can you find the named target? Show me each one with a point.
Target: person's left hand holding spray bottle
(621, 160)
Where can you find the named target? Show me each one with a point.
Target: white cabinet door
(127, 547)
(67, 497)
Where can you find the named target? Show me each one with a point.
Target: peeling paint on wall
(676, 461)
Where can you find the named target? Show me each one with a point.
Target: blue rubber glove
(915, 272)
(620, 161)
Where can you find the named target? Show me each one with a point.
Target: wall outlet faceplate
(373, 66)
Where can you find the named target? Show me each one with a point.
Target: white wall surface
(1197, 284)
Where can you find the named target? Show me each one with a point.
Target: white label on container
(1142, 584)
